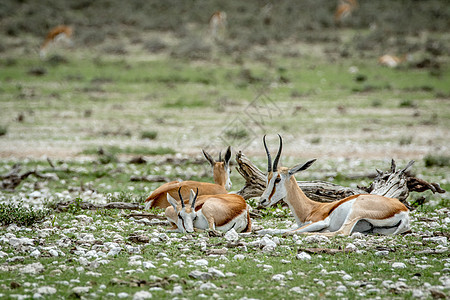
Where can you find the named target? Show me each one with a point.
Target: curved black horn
(181, 198)
(269, 159)
(220, 156)
(277, 158)
(193, 201)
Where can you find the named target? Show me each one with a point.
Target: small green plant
(316, 140)
(236, 134)
(125, 197)
(405, 140)
(151, 134)
(75, 206)
(437, 161)
(22, 216)
(376, 103)
(3, 130)
(407, 103)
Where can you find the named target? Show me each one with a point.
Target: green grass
(169, 106)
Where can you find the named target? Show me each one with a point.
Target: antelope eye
(277, 180)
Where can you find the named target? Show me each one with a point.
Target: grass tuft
(437, 161)
(21, 216)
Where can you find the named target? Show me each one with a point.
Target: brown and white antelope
(217, 24)
(56, 34)
(209, 212)
(363, 213)
(344, 10)
(392, 61)
(221, 175)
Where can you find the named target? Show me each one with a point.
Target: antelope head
(186, 216)
(278, 177)
(221, 168)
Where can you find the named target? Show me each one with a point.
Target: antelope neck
(298, 202)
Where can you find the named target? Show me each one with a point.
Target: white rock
(417, 293)
(341, 289)
(289, 273)
(201, 262)
(83, 261)
(357, 235)
(33, 268)
(382, 253)
(278, 277)
(35, 296)
(239, 257)
(207, 286)
(297, 290)
(17, 242)
(148, 265)
(36, 253)
(122, 295)
(216, 273)
(84, 219)
(142, 295)
(114, 251)
(373, 291)
(350, 247)
(81, 289)
(135, 263)
(46, 290)
(441, 240)
(303, 256)
(317, 239)
(177, 290)
(231, 235)
(347, 277)
(266, 241)
(398, 265)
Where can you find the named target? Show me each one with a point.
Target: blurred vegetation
(20, 215)
(249, 23)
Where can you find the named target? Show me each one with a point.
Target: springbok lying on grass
(358, 213)
(221, 174)
(209, 212)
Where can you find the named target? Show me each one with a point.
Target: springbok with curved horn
(221, 185)
(56, 34)
(364, 213)
(209, 212)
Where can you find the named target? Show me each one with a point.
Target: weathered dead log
(13, 178)
(65, 205)
(142, 215)
(394, 183)
(150, 178)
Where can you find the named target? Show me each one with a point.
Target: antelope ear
(172, 201)
(301, 167)
(208, 158)
(228, 156)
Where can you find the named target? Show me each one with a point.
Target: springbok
(363, 213)
(344, 10)
(56, 34)
(217, 24)
(221, 175)
(209, 212)
(392, 61)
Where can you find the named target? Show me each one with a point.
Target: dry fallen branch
(13, 178)
(150, 178)
(63, 206)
